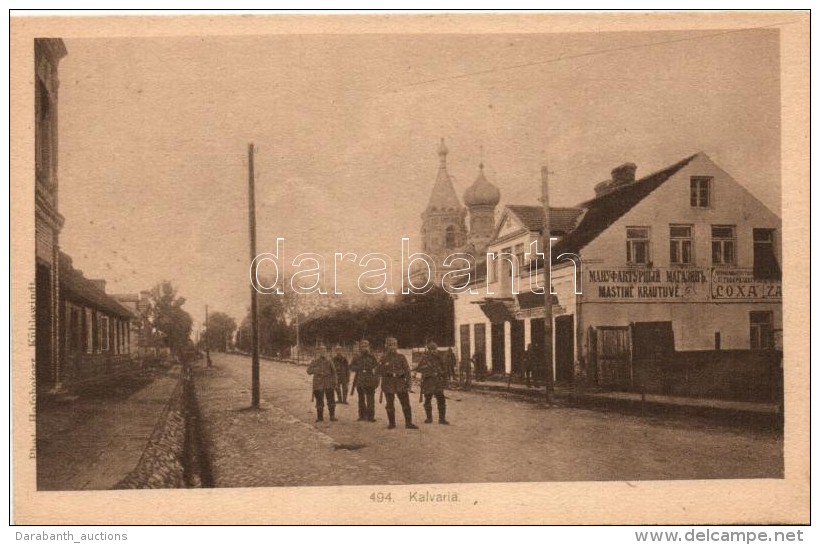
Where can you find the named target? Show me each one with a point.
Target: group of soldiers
(392, 373)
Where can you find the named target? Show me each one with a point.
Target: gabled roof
(603, 211)
(562, 219)
(78, 287)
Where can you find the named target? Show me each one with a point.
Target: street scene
(340, 260)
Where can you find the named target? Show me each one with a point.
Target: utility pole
(254, 307)
(298, 346)
(207, 339)
(545, 245)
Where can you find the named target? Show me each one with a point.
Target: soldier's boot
(320, 414)
(372, 416)
(332, 411)
(429, 411)
(408, 419)
(391, 418)
(442, 412)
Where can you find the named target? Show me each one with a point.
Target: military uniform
(343, 377)
(324, 384)
(365, 366)
(433, 381)
(395, 373)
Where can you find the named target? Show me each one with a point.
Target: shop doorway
(517, 345)
(497, 341)
(565, 349)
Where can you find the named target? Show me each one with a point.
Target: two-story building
(48, 222)
(678, 281)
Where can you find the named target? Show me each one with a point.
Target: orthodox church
(444, 227)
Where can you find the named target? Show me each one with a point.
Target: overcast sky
(154, 135)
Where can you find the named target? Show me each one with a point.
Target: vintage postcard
(434, 268)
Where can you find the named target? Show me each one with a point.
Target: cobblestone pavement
(94, 441)
(491, 439)
(269, 447)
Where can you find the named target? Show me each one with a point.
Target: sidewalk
(634, 402)
(94, 441)
(270, 447)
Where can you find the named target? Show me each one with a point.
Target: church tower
(481, 198)
(443, 229)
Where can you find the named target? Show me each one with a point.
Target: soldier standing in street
(433, 380)
(324, 384)
(342, 375)
(395, 373)
(365, 366)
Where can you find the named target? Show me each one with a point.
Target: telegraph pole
(207, 339)
(254, 308)
(545, 244)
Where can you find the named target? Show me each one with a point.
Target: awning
(498, 310)
(530, 300)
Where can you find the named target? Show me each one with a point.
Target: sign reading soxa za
(741, 285)
(647, 285)
(678, 285)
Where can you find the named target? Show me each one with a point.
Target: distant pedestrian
(366, 380)
(465, 372)
(529, 362)
(395, 373)
(480, 365)
(450, 364)
(342, 375)
(433, 381)
(324, 383)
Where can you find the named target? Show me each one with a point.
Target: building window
(723, 245)
(450, 237)
(89, 331)
(680, 244)
(103, 333)
(700, 191)
(637, 245)
(761, 330)
(765, 260)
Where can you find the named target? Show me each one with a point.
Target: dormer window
(700, 191)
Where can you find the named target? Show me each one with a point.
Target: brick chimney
(623, 174)
(99, 283)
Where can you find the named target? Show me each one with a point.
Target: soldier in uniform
(324, 384)
(342, 375)
(395, 373)
(366, 380)
(433, 380)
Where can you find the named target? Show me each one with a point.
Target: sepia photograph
(458, 266)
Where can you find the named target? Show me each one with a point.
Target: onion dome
(482, 192)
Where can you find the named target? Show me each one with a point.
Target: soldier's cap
(432, 346)
(388, 339)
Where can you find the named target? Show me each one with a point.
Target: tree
(165, 316)
(219, 331)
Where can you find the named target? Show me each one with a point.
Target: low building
(679, 281)
(96, 329)
(140, 344)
